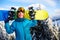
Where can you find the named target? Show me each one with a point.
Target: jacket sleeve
(10, 28)
(32, 23)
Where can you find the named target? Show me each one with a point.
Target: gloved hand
(7, 20)
(9, 17)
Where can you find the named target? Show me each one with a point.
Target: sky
(51, 6)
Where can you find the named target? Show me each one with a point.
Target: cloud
(12, 6)
(22, 1)
(8, 7)
(3, 8)
(25, 0)
(57, 11)
(51, 2)
(38, 5)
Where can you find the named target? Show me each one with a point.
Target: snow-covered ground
(3, 31)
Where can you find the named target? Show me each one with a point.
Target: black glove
(7, 20)
(9, 17)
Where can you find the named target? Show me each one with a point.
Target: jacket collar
(20, 19)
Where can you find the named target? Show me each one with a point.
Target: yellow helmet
(21, 9)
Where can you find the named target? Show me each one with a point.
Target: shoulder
(26, 20)
(13, 22)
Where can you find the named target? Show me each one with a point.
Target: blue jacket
(21, 28)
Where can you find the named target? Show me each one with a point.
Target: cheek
(20, 14)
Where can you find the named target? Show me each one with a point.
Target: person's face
(20, 15)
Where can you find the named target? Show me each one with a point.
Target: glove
(7, 20)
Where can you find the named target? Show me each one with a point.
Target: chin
(20, 17)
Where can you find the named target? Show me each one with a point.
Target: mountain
(56, 18)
